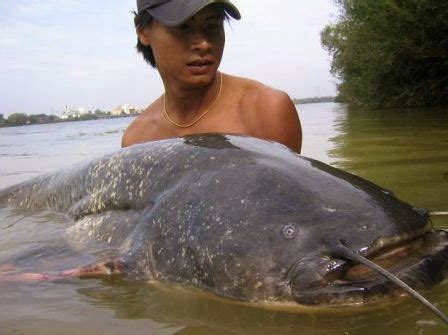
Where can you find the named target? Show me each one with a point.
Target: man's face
(191, 53)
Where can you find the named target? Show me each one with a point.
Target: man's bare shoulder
(271, 112)
(248, 87)
(137, 131)
(263, 100)
(255, 92)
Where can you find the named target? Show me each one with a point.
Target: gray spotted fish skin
(230, 214)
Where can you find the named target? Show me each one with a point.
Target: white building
(126, 110)
(70, 112)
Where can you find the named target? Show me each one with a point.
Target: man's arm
(127, 139)
(133, 132)
(279, 119)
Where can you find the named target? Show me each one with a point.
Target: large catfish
(244, 218)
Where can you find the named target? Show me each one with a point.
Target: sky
(57, 53)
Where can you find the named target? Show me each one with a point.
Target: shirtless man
(184, 40)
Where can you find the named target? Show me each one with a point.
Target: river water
(405, 151)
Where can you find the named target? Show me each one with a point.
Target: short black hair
(140, 21)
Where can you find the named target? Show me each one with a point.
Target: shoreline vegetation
(23, 119)
(390, 53)
(315, 100)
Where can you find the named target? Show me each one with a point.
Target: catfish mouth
(420, 262)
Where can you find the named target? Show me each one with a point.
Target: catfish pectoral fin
(9, 273)
(104, 268)
(25, 277)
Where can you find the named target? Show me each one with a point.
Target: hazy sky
(55, 53)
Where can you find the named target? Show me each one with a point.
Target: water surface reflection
(405, 151)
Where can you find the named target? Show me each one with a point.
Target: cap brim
(175, 13)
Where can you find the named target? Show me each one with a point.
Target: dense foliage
(17, 119)
(390, 53)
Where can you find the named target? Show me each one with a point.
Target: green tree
(53, 118)
(37, 118)
(17, 119)
(390, 53)
(2, 120)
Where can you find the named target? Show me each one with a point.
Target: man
(184, 40)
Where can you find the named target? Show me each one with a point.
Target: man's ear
(142, 34)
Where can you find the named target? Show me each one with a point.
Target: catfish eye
(289, 231)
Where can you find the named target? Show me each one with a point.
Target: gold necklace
(200, 116)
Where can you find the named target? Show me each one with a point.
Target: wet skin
(244, 218)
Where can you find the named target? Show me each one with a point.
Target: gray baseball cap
(173, 13)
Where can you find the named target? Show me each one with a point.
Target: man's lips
(200, 62)
(200, 66)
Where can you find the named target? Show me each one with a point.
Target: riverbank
(22, 119)
(28, 120)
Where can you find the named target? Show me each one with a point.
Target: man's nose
(200, 41)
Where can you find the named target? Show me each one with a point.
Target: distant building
(126, 110)
(73, 113)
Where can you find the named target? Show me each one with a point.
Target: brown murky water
(403, 151)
